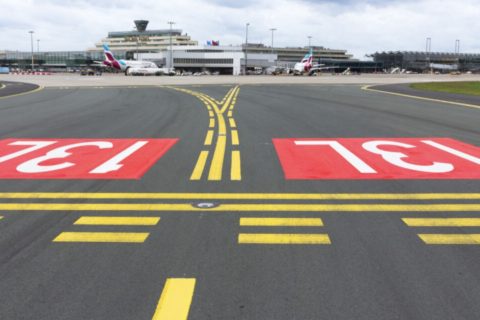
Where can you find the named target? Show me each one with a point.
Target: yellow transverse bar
(174, 303)
(275, 238)
(118, 221)
(248, 196)
(238, 207)
(442, 222)
(450, 238)
(124, 237)
(281, 222)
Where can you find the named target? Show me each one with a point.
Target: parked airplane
(133, 67)
(307, 66)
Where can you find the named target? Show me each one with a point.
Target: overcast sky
(361, 27)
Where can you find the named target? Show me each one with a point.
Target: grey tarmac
(375, 267)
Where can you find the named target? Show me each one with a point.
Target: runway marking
(216, 167)
(235, 140)
(218, 109)
(368, 88)
(268, 238)
(242, 196)
(442, 222)
(121, 237)
(23, 93)
(281, 222)
(175, 300)
(118, 221)
(241, 207)
(236, 167)
(199, 166)
(208, 138)
(454, 239)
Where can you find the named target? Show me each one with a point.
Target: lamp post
(273, 30)
(31, 43)
(428, 48)
(246, 48)
(171, 23)
(309, 42)
(38, 46)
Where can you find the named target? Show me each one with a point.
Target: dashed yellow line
(118, 221)
(442, 222)
(455, 239)
(236, 166)
(235, 140)
(176, 298)
(208, 138)
(275, 238)
(199, 166)
(121, 237)
(211, 123)
(232, 123)
(281, 222)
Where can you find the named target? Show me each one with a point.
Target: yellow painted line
(275, 238)
(124, 237)
(236, 167)
(367, 88)
(281, 222)
(212, 123)
(442, 222)
(211, 114)
(227, 103)
(216, 167)
(235, 140)
(23, 93)
(199, 166)
(222, 128)
(176, 298)
(118, 221)
(230, 113)
(208, 138)
(240, 207)
(450, 238)
(243, 196)
(232, 123)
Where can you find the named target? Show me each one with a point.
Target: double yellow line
(217, 136)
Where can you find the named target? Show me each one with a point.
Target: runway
(238, 201)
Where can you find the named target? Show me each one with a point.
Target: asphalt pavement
(170, 233)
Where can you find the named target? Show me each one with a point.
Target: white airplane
(307, 66)
(134, 67)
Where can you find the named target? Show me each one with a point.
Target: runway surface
(238, 202)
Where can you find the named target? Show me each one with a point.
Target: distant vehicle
(307, 66)
(87, 72)
(133, 67)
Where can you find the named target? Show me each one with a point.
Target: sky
(360, 27)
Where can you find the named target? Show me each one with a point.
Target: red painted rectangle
(79, 158)
(377, 158)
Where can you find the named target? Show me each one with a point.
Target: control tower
(141, 25)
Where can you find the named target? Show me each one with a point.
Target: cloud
(358, 26)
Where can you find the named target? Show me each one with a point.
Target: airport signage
(377, 158)
(80, 158)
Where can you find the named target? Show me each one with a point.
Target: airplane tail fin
(108, 54)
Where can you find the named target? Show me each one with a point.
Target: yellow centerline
(236, 166)
(216, 167)
(174, 303)
(241, 207)
(242, 196)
